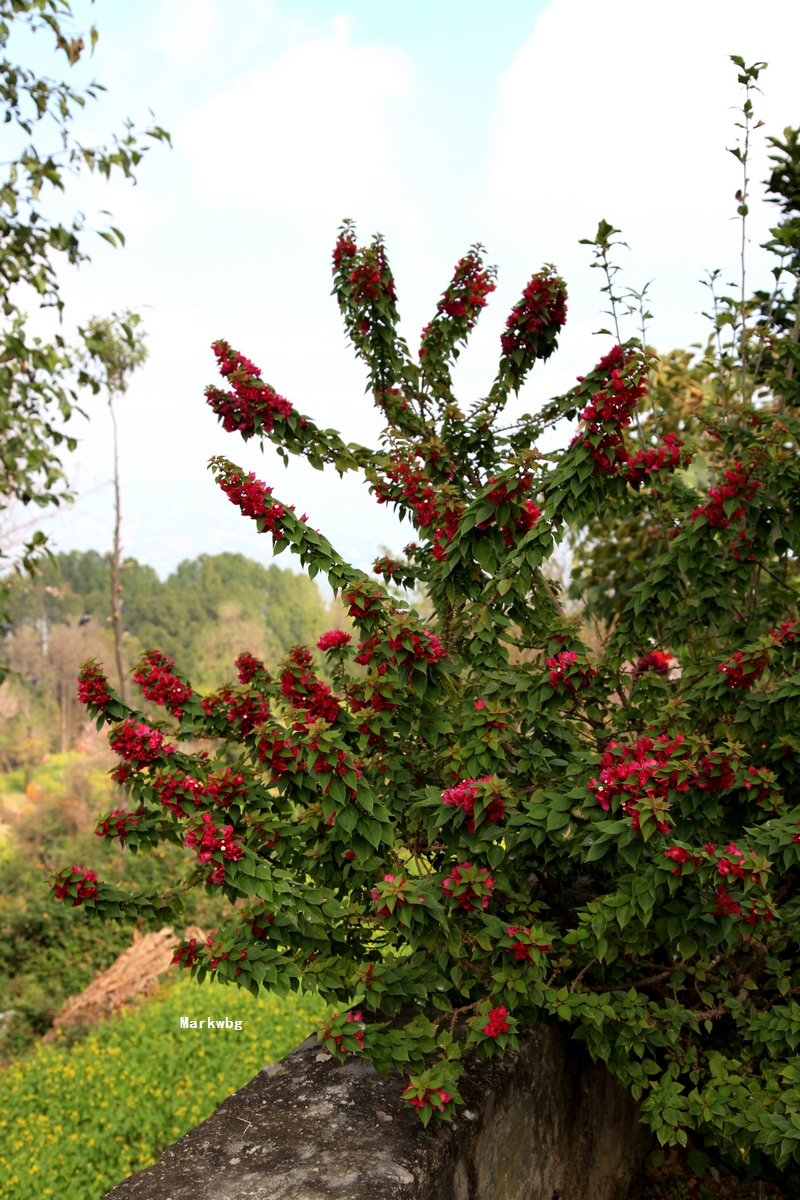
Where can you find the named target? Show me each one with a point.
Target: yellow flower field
(75, 1121)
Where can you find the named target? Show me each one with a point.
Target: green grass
(76, 1120)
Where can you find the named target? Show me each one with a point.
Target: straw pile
(135, 973)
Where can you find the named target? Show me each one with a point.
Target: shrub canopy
(510, 810)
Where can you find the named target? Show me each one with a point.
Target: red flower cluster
(738, 487)
(789, 632)
(463, 796)
(762, 779)
(427, 648)
(471, 284)
(118, 823)
(158, 683)
(754, 916)
(252, 405)
(138, 744)
(261, 931)
(377, 702)
(470, 887)
(246, 710)
(680, 856)
(323, 767)
(186, 955)
(174, 789)
(656, 661)
(437, 1098)
(87, 885)
(463, 300)
(92, 685)
(497, 1023)
(388, 567)
(614, 404)
(364, 278)
(522, 948)
(564, 671)
(731, 863)
(451, 519)
(206, 840)
(361, 603)
(345, 248)
(303, 690)
(639, 772)
(713, 773)
(525, 520)
(404, 480)
(248, 666)
(741, 670)
(543, 305)
(656, 458)
(726, 905)
(366, 649)
(397, 889)
(271, 749)
(358, 1034)
(334, 639)
(252, 497)
(226, 787)
(634, 771)
(728, 865)
(371, 278)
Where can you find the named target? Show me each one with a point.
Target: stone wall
(543, 1124)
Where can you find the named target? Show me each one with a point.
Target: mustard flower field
(76, 1120)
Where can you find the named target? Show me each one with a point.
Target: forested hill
(207, 611)
(211, 589)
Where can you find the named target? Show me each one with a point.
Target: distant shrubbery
(73, 1122)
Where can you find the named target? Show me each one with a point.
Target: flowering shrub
(495, 816)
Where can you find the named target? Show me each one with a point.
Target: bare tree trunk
(116, 585)
(65, 699)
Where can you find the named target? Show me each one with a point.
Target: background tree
(114, 349)
(37, 377)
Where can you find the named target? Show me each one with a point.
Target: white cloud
(623, 110)
(310, 137)
(185, 29)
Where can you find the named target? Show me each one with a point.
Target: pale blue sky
(441, 123)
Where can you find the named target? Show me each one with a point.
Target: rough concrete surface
(543, 1124)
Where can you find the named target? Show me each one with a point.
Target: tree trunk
(65, 699)
(116, 586)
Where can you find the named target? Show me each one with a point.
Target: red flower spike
(302, 690)
(138, 743)
(252, 497)
(158, 683)
(541, 311)
(92, 686)
(252, 406)
(335, 639)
